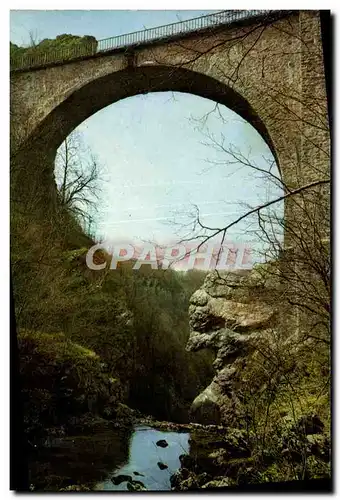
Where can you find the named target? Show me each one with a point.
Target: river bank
(100, 451)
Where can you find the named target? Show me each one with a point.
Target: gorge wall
(230, 315)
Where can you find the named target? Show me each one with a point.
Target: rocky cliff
(229, 314)
(269, 394)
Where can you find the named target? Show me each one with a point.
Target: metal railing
(142, 37)
(174, 29)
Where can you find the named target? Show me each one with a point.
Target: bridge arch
(82, 101)
(90, 98)
(48, 102)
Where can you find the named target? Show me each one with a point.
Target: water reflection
(82, 460)
(148, 460)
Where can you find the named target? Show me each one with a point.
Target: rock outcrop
(265, 395)
(229, 314)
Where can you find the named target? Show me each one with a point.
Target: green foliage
(57, 347)
(63, 47)
(282, 382)
(136, 322)
(62, 380)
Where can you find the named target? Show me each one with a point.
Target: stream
(148, 463)
(94, 460)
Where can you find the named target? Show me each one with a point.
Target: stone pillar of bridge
(307, 215)
(32, 182)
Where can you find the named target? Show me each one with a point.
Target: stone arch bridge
(267, 66)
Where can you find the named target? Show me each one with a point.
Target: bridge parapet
(33, 60)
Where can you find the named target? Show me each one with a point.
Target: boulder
(121, 478)
(218, 482)
(135, 486)
(162, 443)
(199, 298)
(178, 477)
(206, 408)
(162, 466)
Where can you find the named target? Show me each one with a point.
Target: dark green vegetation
(62, 382)
(296, 451)
(63, 47)
(95, 347)
(89, 339)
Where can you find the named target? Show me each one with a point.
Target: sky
(153, 149)
(98, 23)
